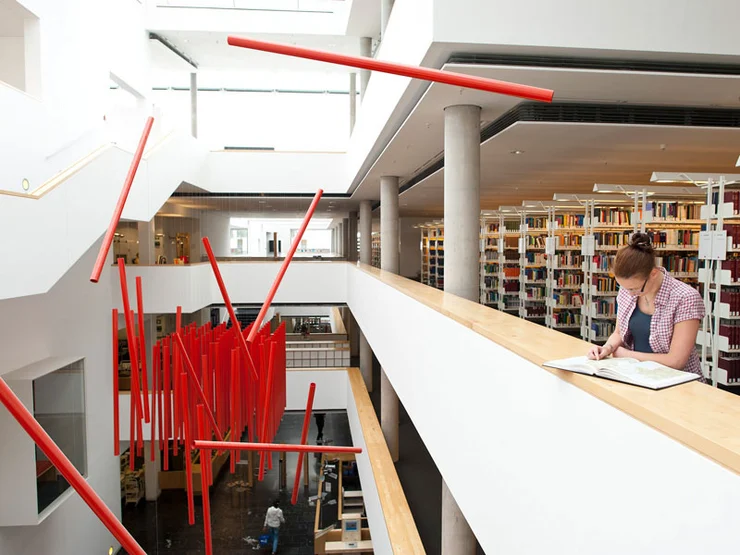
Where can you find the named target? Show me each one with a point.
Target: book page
(582, 364)
(647, 373)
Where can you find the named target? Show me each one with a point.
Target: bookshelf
(489, 260)
(533, 263)
(424, 246)
(375, 245)
(509, 260)
(432, 255)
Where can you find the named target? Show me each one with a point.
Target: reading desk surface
(701, 417)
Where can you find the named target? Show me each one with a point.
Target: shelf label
(705, 245)
(719, 245)
(550, 243)
(588, 247)
(647, 216)
(522, 246)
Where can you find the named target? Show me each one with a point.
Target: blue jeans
(274, 533)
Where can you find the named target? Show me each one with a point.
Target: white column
(457, 537)
(462, 231)
(366, 50)
(146, 243)
(151, 473)
(352, 237)
(390, 256)
(352, 101)
(366, 362)
(366, 232)
(462, 201)
(390, 262)
(340, 238)
(385, 14)
(194, 104)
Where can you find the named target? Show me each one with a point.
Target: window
(59, 406)
(238, 241)
(20, 64)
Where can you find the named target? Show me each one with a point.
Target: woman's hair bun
(641, 241)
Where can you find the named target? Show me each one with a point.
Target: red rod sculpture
(131, 336)
(293, 246)
(273, 447)
(229, 306)
(267, 405)
(116, 431)
(108, 239)
(415, 72)
(142, 348)
(18, 410)
(198, 389)
(304, 437)
(205, 482)
(187, 447)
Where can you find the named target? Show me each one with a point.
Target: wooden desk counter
(364, 546)
(702, 417)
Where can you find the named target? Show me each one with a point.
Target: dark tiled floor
(420, 479)
(162, 526)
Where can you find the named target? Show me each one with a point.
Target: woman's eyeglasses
(636, 292)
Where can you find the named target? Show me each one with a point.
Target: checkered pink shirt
(674, 303)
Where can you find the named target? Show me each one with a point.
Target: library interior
(369, 276)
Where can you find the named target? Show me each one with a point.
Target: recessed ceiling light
(516, 152)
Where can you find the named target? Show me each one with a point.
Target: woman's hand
(597, 352)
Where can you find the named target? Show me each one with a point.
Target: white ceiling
(585, 154)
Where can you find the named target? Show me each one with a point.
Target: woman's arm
(610, 347)
(683, 342)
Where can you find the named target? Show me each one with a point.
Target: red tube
(116, 431)
(198, 389)
(268, 391)
(257, 324)
(108, 239)
(160, 400)
(131, 337)
(166, 384)
(274, 447)
(142, 349)
(227, 302)
(304, 437)
(187, 447)
(205, 481)
(232, 408)
(67, 469)
(426, 74)
(155, 380)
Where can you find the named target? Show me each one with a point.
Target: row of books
(603, 262)
(731, 330)
(510, 286)
(535, 274)
(536, 222)
(604, 284)
(491, 242)
(569, 220)
(679, 264)
(570, 240)
(606, 306)
(536, 311)
(535, 293)
(732, 365)
(536, 241)
(733, 265)
(567, 318)
(490, 228)
(511, 271)
(668, 211)
(733, 234)
(490, 282)
(613, 216)
(490, 255)
(437, 260)
(730, 196)
(602, 328)
(567, 298)
(612, 238)
(569, 259)
(676, 237)
(439, 270)
(490, 268)
(564, 279)
(732, 298)
(510, 303)
(491, 297)
(536, 258)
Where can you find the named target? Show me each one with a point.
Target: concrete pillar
(366, 50)
(352, 101)
(385, 14)
(345, 237)
(462, 201)
(390, 256)
(366, 362)
(352, 237)
(366, 232)
(216, 226)
(151, 473)
(334, 240)
(194, 104)
(340, 239)
(146, 243)
(390, 262)
(457, 537)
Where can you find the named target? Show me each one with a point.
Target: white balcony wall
(194, 287)
(547, 467)
(658, 29)
(72, 320)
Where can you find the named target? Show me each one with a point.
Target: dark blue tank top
(639, 327)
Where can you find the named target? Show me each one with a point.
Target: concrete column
(334, 241)
(385, 14)
(389, 261)
(462, 201)
(352, 236)
(146, 243)
(345, 237)
(366, 232)
(457, 537)
(366, 50)
(151, 473)
(390, 256)
(366, 362)
(352, 101)
(217, 227)
(194, 104)
(340, 238)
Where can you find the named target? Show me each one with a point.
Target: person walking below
(273, 519)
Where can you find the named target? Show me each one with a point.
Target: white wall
(331, 389)
(547, 467)
(644, 28)
(194, 287)
(12, 61)
(72, 320)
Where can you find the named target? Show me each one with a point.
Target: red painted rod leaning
(273, 447)
(426, 74)
(108, 239)
(18, 410)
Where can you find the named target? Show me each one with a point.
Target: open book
(628, 370)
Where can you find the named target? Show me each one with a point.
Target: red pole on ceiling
(415, 72)
(304, 437)
(18, 410)
(257, 324)
(198, 389)
(108, 239)
(116, 431)
(274, 447)
(229, 306)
